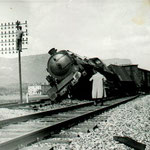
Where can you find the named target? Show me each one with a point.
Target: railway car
(126, 79)
(144, 76)
(141, 77)
(133, 72)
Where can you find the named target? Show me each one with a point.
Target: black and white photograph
(74, 75)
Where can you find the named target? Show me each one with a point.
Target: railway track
(25, 105)
(18, 132)
(35, 105)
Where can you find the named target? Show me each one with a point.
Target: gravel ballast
(131, 119)
(6, 113)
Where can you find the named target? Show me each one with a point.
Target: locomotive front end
(63, 73)
(60, 65)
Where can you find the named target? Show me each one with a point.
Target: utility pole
(10, 36)
(19, 34)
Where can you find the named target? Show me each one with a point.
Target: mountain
(117, 61)
(33, 69)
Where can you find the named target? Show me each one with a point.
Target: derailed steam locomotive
(69, 76)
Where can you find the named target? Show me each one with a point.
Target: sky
(93, 28)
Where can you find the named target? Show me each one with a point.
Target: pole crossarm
(10, 50)
(11, 33)
(8, 37)
(12, 24)
(12, 41)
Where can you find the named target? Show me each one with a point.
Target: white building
(38, 89)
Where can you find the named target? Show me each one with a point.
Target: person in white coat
(27, 97)
(98, 90)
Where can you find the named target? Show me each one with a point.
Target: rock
(130, 142)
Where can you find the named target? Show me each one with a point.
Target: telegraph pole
(19, 34)
(20, 76)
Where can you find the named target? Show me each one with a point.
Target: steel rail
(42, 114)
(15, 104)
(6, 104)
(48, 131)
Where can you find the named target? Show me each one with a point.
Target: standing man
(98, 90)
(19, 35)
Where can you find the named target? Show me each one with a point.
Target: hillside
(33, 69)
(117, 61)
